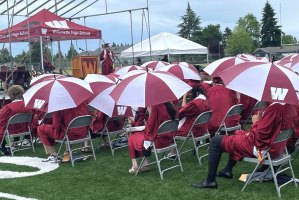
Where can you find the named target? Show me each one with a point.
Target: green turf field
(108, 178)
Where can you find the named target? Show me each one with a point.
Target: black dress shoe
(223, 174)
(205, 184)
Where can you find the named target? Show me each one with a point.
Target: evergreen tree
(270, 32)
(190, 24)
(4, 56)
(71, 52)
(226, 34)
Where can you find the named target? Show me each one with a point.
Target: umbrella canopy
(148, 89)
(222, 64)
(99, 82)
(125, 69)
(131, 73)
(181, 71)
(57, 94)
(106, 104)
(263, 81)
(45, 77)
(155, 64)
(246, 56)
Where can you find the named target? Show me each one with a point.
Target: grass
(108, 178)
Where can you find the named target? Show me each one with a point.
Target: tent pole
(41, 53)
(85, 39)
(100, 50)
(28, 29)
(149, 30)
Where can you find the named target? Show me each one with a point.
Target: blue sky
(164, 17)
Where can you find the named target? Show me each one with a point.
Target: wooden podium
(83, 65)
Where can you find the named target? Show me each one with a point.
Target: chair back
(235, 110)
(259, 105)
(284, 135)
(81, 121)
(168, 126)
(19, 118)
(203, 118)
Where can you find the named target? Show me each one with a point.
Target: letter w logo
(57, 24)
(121, 110)
(38, 103)
(278, 93)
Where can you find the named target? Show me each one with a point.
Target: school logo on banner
(278, 93)
(57, 24)
(121, 110)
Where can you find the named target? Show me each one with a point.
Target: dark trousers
(215, 152)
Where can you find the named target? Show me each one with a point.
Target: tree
(252, 26)
(22, 58)
(226, 34)
(270, 32)
(288, 39)
(190, 24)
(71, 52)
(240, 41)
(4, 55)
(211, 36)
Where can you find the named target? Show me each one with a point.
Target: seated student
(221, 99)
(17, 105)
(189, 112)
(61, 119)
(157, 115)
(99, 123)
(141, 116)
(265, 129)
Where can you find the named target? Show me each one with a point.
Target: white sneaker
(26, 143)
(170, 156)
(51, 159)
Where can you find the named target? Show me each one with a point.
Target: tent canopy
(164, 44)
(49, 26)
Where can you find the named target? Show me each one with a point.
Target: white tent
(165, 44)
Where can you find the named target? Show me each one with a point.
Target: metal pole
(41, 52)
(28, 29)
(85, 39)
(149, 30)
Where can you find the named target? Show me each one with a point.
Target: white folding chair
(77, 122)
(257, 106)
(283, 162)
(233, 111)
(198, 142)
(19, 118)
(165, 127)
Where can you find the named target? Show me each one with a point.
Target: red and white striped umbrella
(246, 56)
(263, 81)
(149, 88)
(99, 82)
(45, 77)
(106, 104)
(222, 64)
(295, 62)
(123, 70)
(183, 72)
(58, 94)
(154, 64)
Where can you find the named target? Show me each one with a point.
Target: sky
(164, 16)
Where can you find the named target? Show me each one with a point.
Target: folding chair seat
(257, 106)
(165, 127)
(19, 118)
(81, 121)
(198, 142)
(233, 111)
(114, 136)
(282, 163)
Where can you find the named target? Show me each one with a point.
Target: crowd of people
(209, 94)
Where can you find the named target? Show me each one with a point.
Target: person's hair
(171, 110)
(15, 92)
(197, 91)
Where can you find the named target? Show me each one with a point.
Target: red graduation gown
(191, 111)
(141, 117)
(158, 115)
(275, 118)
(7, 112)
(100, 119)
(106, 60)
(221, 99)
(61, 120)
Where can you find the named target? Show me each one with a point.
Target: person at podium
(107, 58)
